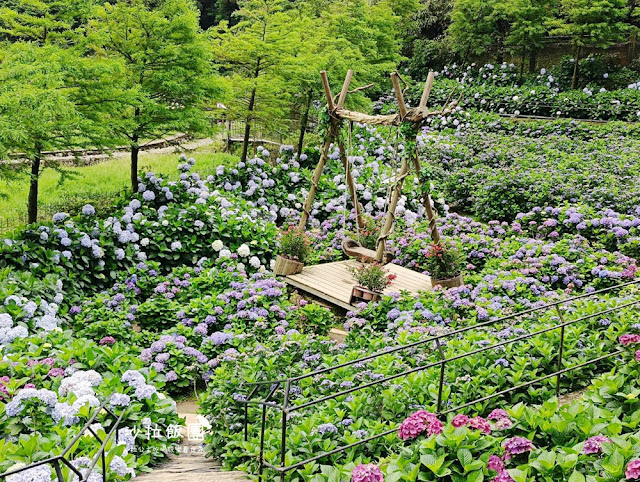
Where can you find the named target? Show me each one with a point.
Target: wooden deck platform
(332, 282)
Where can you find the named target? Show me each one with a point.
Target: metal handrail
(61, 458)
(285, 383)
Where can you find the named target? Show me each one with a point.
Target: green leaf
(576, 477)
(465, 457)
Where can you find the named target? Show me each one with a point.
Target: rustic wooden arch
(414, 117)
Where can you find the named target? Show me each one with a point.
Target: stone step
(190, 465)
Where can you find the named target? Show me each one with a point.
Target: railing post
(261, 456)
(442, 371)
(246, 422)
(104, 467)
(283, 441)
(560, 350)
(56, 466)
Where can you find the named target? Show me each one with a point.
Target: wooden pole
(345, 89)
(397, 190)
(331, 135)
(352, 185)
(426, 201)
(427, 90)
(327, 90)
(391, 212)
(395, 80)
(315, 180)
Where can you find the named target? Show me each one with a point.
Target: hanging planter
(448, 282)
(285, 266)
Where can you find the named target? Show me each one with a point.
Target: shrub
(443, 262)
(294, 244)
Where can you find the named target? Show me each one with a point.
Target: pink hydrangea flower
(503, 477)
(638, 355)
(593, 445)
(633, 470)
(367, 473)
(481, 424)
(460, 420)
(411, 427)
(434, 427)
(503, 424)
(56, 372)
(419, 422)
(516, 446)
(629, 338)
(498, 414)
(495, 463)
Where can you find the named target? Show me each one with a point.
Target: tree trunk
(32, 208)
(522, 59)
(135, 151)
(304, 121)
(532, 62)
(252, 103)
(576, 61)
(247, 127)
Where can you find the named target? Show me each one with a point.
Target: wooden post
(331, 135)
(352, 185)
(395, 80)
(345, 89)
(397, 190)
(427, 90)
(327, 90)
(315, 180)
(426, 201)
(391, 212)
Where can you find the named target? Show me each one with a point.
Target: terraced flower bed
(173, 294)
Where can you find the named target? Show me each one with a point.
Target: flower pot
(448, 283)
(360, 293)
(285, 266)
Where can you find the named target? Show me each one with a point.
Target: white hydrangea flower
(244, 250)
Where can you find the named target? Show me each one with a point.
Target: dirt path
(95, 158)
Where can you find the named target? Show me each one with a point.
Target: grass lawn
(97, 184)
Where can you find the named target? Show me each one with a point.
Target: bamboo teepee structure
(413, 117)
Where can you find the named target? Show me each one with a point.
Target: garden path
(190, 465)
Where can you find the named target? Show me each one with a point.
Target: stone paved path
(190, 465)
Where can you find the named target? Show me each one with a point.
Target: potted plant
(444, 265)
(368, 234)
(372, 279)
(294, 248)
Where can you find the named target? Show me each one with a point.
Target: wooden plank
(332, 282)
(319, 294)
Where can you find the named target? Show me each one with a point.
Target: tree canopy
(167, 80)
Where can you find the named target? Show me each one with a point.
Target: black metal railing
(58, 461)
(285, 383)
